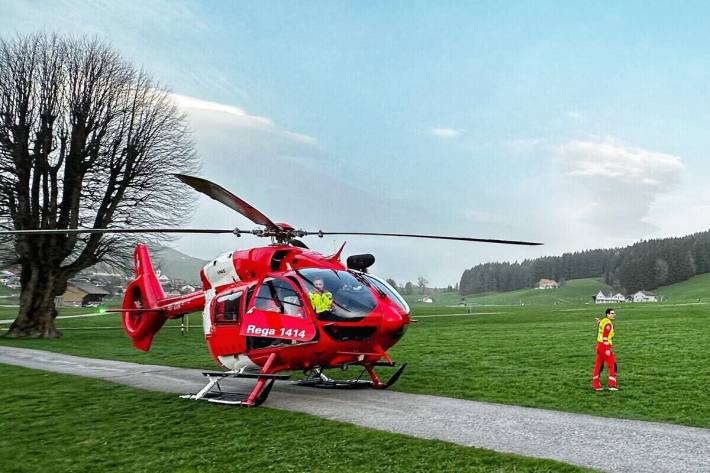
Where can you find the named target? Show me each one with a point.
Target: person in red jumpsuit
(605, 351)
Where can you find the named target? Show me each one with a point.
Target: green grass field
(6, 291)
(538, 356)
(8, 295)
(60, 423)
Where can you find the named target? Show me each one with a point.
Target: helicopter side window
(228, 308)
(276, 295)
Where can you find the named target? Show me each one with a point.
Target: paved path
(636, 446)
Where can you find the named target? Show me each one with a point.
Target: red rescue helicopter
(277, 308)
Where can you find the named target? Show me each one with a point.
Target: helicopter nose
(392, 320)
(394, 324)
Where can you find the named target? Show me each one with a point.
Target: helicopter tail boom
(145, 307)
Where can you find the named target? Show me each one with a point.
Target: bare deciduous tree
(86, 140)
(422, 282)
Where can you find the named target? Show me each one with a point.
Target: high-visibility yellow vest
(321, 301)
(600, 331)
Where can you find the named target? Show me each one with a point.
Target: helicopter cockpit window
(279, 296)
(227, 308)
(337, 295)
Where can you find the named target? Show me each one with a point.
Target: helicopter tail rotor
(140, 314)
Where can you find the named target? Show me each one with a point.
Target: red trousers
(610, 360)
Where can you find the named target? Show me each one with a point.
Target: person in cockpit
(321, 299)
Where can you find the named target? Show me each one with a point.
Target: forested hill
(643, 266)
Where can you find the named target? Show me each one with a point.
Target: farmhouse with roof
(81, 294)
(547, 284)
(600, 298)
(641, 296)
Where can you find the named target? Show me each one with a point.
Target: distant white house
(162, 277)
(547, 284)
(164, 280)
(641, 296)
(600, 298)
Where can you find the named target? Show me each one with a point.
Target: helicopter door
(277, 314)
(224, 339)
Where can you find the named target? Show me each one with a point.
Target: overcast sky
(576, 124)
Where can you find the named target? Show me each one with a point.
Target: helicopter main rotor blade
(222, 195)
(298, 243)
(435, 237)
(64, 231)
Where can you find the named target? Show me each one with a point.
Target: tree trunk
(37, 309)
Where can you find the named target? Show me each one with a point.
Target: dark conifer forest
(645, 265)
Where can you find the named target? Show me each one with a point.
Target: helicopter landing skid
(317, 379)
(213, 392)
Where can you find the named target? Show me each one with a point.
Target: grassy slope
(697, 287)
(75, 424)
(576, 291)
(538, 356)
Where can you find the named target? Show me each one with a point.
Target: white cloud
(309, 140)
(574, 115)
(622, 164)
(613, 186)
(191, 103)
(447, 133)
(248, 135)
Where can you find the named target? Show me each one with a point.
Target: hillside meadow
(576, 291)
